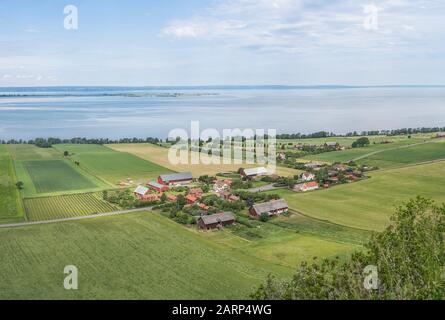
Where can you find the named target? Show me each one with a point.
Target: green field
(368, 204)
(357, 153)
(288, 243)
(406, 156)
(68, 206)
(10, 204)
(56, 175)
(31, 152)
(113, 166)
(137, 256)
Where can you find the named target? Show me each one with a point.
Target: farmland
(139, 256)
(112, 166)
(67, 206)
(148, 256)
(398, 144)
(55, 175)
(368, 204)
(10, 203)
(159, 155)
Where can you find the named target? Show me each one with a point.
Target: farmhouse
(141, 192)
(176, 179)
(254, 172)
(313, 165)
(157, 186)
(340, 167)
(304, 187)
(196, 192)
(172, 198)
(307, 176)
(272, 208)
(222, 185)
(216, 221)
(151, 197)
(333, 145)
(191, 199)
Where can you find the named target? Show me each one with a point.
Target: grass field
(31, 152)
(408, 155)
(368, 204)
(159, 155)
(11, 209)
(56, 175)
(113, 166)
(284, 241)
(137, 256)
(68, 206)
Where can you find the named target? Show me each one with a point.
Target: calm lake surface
(88, 112)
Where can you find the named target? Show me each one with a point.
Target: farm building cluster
(206, 198)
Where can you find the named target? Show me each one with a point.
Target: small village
(214, 202)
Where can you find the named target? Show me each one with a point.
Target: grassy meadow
(137, 256)
(368, 204)
(112, 166)
(11, 209)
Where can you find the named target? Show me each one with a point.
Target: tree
(19, 185)
(361, 142)
(66, 153)
(264, 217)
(409, 257)
(163, 198)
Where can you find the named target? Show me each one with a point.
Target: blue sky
(217, 42)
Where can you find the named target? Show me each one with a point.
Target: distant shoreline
(210, 87)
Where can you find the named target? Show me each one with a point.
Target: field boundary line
(99, 215)
(390, 149)
(19, 200)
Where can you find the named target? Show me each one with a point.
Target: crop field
(285, 242)
(67, 206)
(159, 155)
(56, 175)
(366, 152)
(10, 204)
(112, 166)
(137, 256)
(408, 155)
(368, 204)
(31, 152)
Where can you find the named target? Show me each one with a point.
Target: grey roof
(217, 218)
(141, 190)
(270, 206)
(155, 184)
(177, 176)
(255, 171)
(331, 143)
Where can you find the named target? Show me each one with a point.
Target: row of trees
(48, 142)
(325, 134)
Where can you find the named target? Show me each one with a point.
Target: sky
(222, 42)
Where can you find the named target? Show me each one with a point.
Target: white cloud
(301, 26)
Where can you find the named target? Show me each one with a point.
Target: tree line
(48, 142)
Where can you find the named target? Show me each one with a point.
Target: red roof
(312, 184)
(191, 198)
(203, 206)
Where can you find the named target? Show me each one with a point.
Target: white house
(307, 176)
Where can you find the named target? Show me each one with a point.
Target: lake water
(86, 112)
